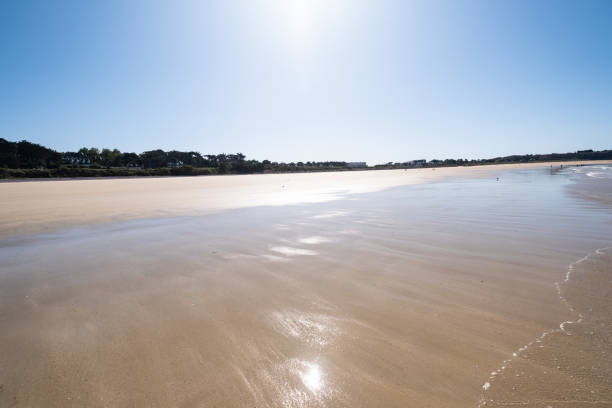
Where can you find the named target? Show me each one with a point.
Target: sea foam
(562, 326)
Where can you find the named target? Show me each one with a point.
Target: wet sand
(570, 366)
(597, 189)
(410, 296)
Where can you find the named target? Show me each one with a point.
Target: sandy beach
(306, 204)
(39, 206)
(379, 288)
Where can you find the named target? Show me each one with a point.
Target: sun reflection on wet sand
(331, 214)
(313, 329)
(305, 383)
(290, 251)
(301, 383)
(312, 377)
(314, 240)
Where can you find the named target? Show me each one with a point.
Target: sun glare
(312, 377)
(302, 21)
(302, 17)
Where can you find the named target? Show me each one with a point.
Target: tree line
(39, 161)
(524, 158)
(26, 159)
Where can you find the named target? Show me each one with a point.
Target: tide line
(562, 326)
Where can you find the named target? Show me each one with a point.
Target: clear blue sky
(292, 80)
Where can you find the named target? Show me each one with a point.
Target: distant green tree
(154, 159)
(8, 154)
(225, 168)
(131, 160)
(92, 154)
(31, 155)
(111, 157)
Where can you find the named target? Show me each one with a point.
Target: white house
(416, 163)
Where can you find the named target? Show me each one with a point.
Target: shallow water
(592, 183)
(570, 365)
(407, 297)
(602, 171)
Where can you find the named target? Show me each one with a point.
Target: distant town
(30, 160)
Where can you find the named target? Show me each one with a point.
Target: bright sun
(302, 16)
(300, 30)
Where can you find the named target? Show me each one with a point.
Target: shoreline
(28, 207)
(525, 377)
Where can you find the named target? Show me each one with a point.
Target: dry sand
(402, 298)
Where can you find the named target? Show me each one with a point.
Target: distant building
(357, 164)
(416, 163)
(434, 161)
(175, 163)
(75, 159)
